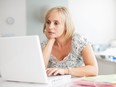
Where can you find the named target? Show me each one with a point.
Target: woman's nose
(51, 26)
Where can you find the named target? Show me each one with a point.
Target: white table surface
(22, 84)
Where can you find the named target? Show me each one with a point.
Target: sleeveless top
(74, 58)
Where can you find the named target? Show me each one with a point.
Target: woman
(66, 52)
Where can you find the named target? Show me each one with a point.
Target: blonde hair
(66, 17)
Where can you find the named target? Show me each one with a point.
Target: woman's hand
(54, 71)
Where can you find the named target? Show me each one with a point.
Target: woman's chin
(52, 36)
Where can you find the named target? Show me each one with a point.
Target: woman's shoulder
(79, 39)
(78, 36)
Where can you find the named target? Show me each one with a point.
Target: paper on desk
(83, 83)
(100, 81)
(103, 78)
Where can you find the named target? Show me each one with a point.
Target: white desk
(100, 78)
(106, 66)
(21, 84)
(106, 63)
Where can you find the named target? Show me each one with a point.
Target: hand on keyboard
(54, 71)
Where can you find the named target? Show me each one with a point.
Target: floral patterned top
(74, 58)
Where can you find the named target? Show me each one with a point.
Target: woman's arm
(90, 68)
(47, 51)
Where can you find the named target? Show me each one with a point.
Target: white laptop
(21, 59)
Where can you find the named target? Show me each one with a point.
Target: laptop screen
(21, 59)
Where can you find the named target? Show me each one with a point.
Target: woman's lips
(51, 33)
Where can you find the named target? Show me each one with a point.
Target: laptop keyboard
(61, 78)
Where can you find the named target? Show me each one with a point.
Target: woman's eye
(48, 22)
(56, 23)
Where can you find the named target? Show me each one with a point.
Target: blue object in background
(114, 58)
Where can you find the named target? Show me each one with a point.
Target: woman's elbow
(94, 71)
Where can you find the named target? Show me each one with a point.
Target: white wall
(93, 18)
(96, 19)
(17, 10)
(115, 16)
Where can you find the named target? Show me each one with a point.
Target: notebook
(21, 59)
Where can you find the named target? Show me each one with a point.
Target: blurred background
(94, 19)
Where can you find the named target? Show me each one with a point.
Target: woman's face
(55, 26)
